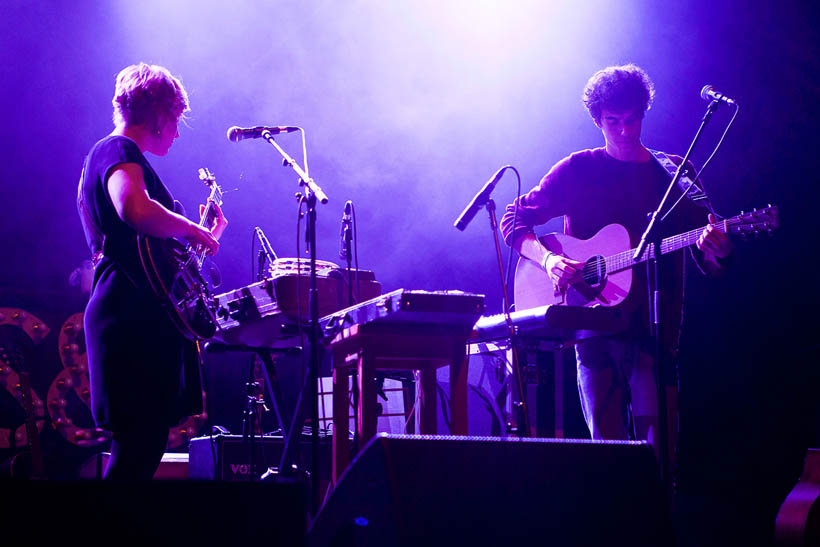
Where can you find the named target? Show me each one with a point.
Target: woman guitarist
(143, 372)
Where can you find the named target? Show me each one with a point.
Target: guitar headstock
(754, 223)
(209, 179)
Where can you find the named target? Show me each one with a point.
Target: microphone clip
(346, 232)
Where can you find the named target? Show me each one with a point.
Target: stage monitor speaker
(429, 490)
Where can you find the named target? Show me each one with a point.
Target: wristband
(544, 261)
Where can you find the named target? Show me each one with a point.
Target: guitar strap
(694, 191)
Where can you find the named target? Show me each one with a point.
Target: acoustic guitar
(798, 520)
(608, 261)
(174, 270)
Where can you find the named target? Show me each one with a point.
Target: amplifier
(233, 456)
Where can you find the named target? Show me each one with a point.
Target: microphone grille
(233, 134)
(706, 91)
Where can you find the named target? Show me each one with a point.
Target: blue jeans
(614, 377)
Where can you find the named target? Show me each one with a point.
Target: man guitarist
(621, 183)
(132, 345)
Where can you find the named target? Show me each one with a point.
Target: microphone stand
(522, 418)
(483, 199)
(313, 193)
(252, 404)
(652, 237)
(347, 237)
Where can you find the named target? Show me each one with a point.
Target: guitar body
(173, 272)
(798, 520)
(533, 286)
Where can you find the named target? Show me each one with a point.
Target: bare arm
(528, 246)
(130, 198)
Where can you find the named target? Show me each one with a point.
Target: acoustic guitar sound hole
(594, 270)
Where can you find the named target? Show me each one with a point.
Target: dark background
(408, 108)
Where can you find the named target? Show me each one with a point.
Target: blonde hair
(148, 95)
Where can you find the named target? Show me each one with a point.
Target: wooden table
(368, 348)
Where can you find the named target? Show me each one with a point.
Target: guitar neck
(625, 259)
(208, 215)
(207, 218)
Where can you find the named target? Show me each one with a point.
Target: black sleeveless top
(142, 371)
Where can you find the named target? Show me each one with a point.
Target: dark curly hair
(619, 89)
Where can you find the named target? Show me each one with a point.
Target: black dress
(143, 373)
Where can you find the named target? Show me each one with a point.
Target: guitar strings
(624, 259)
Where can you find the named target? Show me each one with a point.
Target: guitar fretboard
(624, 259)
(208, 214)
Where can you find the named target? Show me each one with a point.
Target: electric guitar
(174, 270)
(608, 262)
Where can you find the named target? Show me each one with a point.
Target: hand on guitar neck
(715, 246)
(213, 218)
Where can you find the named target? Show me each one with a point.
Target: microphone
(266, 247)
(708, 93)
(479, 200)
(345, 235)
(236, 134)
